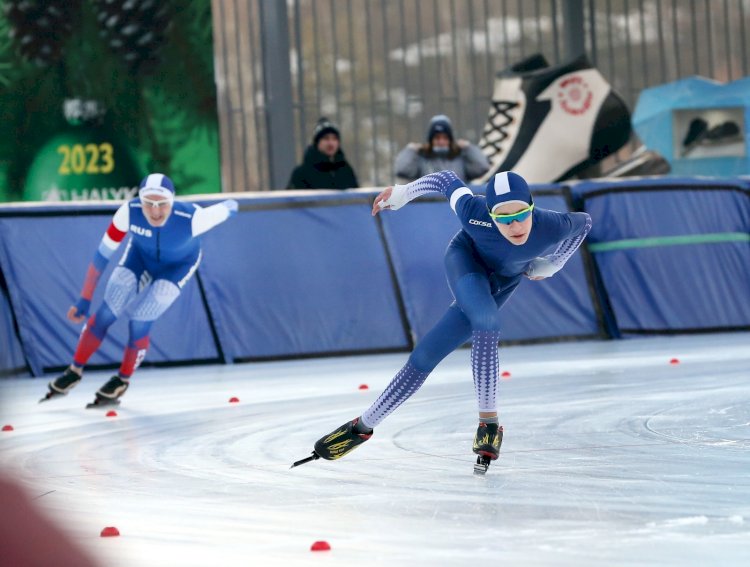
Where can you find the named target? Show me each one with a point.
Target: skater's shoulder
(184, 209)
(474, 206)
(555, 225)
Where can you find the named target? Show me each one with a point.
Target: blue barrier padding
(418, 235)
(673, 254)
(11, 354)
(290, 277)
(44, 260)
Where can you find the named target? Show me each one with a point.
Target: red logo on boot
(575, 95)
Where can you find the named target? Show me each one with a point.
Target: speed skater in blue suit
(504, 238)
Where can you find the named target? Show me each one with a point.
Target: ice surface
(611, 456)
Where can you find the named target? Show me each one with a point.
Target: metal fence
(381, 68)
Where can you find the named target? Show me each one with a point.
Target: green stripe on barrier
(628, 243)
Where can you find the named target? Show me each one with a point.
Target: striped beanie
(156, 184)
(507, 187)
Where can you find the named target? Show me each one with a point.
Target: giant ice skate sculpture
(547, 123)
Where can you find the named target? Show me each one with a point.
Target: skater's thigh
(121, 290)
(470, 284)
(155, 300)
(450, 332)
(461, 259)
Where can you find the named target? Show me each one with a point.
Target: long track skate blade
(49, 396)
(313, 457)
(481, 466)
(100, 403)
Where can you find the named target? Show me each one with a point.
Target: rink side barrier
(12, 361)
(672, 254)
(305, 275)
(299, 274)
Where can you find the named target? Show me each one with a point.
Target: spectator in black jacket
(324, 165)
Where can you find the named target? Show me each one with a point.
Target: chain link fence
(381, 68)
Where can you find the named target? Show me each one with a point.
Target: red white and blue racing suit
(156, 265)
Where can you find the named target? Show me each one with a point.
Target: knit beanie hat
(440, 124)
(507, 187)
(323, 127)
(156, 184)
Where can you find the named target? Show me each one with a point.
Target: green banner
(95, 94)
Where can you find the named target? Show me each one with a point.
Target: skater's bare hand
(379, 203)
(536, 278)
(75, 316)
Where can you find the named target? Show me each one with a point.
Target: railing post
(277, 90)
(574, 38)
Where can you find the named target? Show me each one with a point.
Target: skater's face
(329, 144)
(517, 231)
(156, 209)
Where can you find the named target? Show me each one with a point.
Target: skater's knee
(139, 330)
(488, 320)
(424, 359)
(101, 321)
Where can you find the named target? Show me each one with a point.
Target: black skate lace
(499, 118)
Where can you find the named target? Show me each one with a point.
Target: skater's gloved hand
(391, 198)
(78, 312)
(540, 268)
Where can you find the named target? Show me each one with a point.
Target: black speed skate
(109, 394)
(338, 443)
(61, 385)
(487, 443)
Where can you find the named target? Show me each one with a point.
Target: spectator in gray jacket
(440, 152)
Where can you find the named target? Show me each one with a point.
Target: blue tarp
(11, 354)
(315, 274)
(673, 254)
(290, 277)
(700, 126)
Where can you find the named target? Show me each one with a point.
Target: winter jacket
(317, 171)
(468, 163)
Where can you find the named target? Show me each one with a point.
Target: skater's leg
(135, 351)
(120, 291)
(155, 301)
(474, 297)
(453, 329)
(446, 336)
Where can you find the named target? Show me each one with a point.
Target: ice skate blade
(481, 466)
(102, 403)
(313, 457)
(49, 396)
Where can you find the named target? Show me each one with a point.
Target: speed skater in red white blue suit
(161, 256)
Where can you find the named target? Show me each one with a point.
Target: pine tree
(40, 28)
(134, 29)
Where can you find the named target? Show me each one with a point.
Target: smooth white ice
(611, 456)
